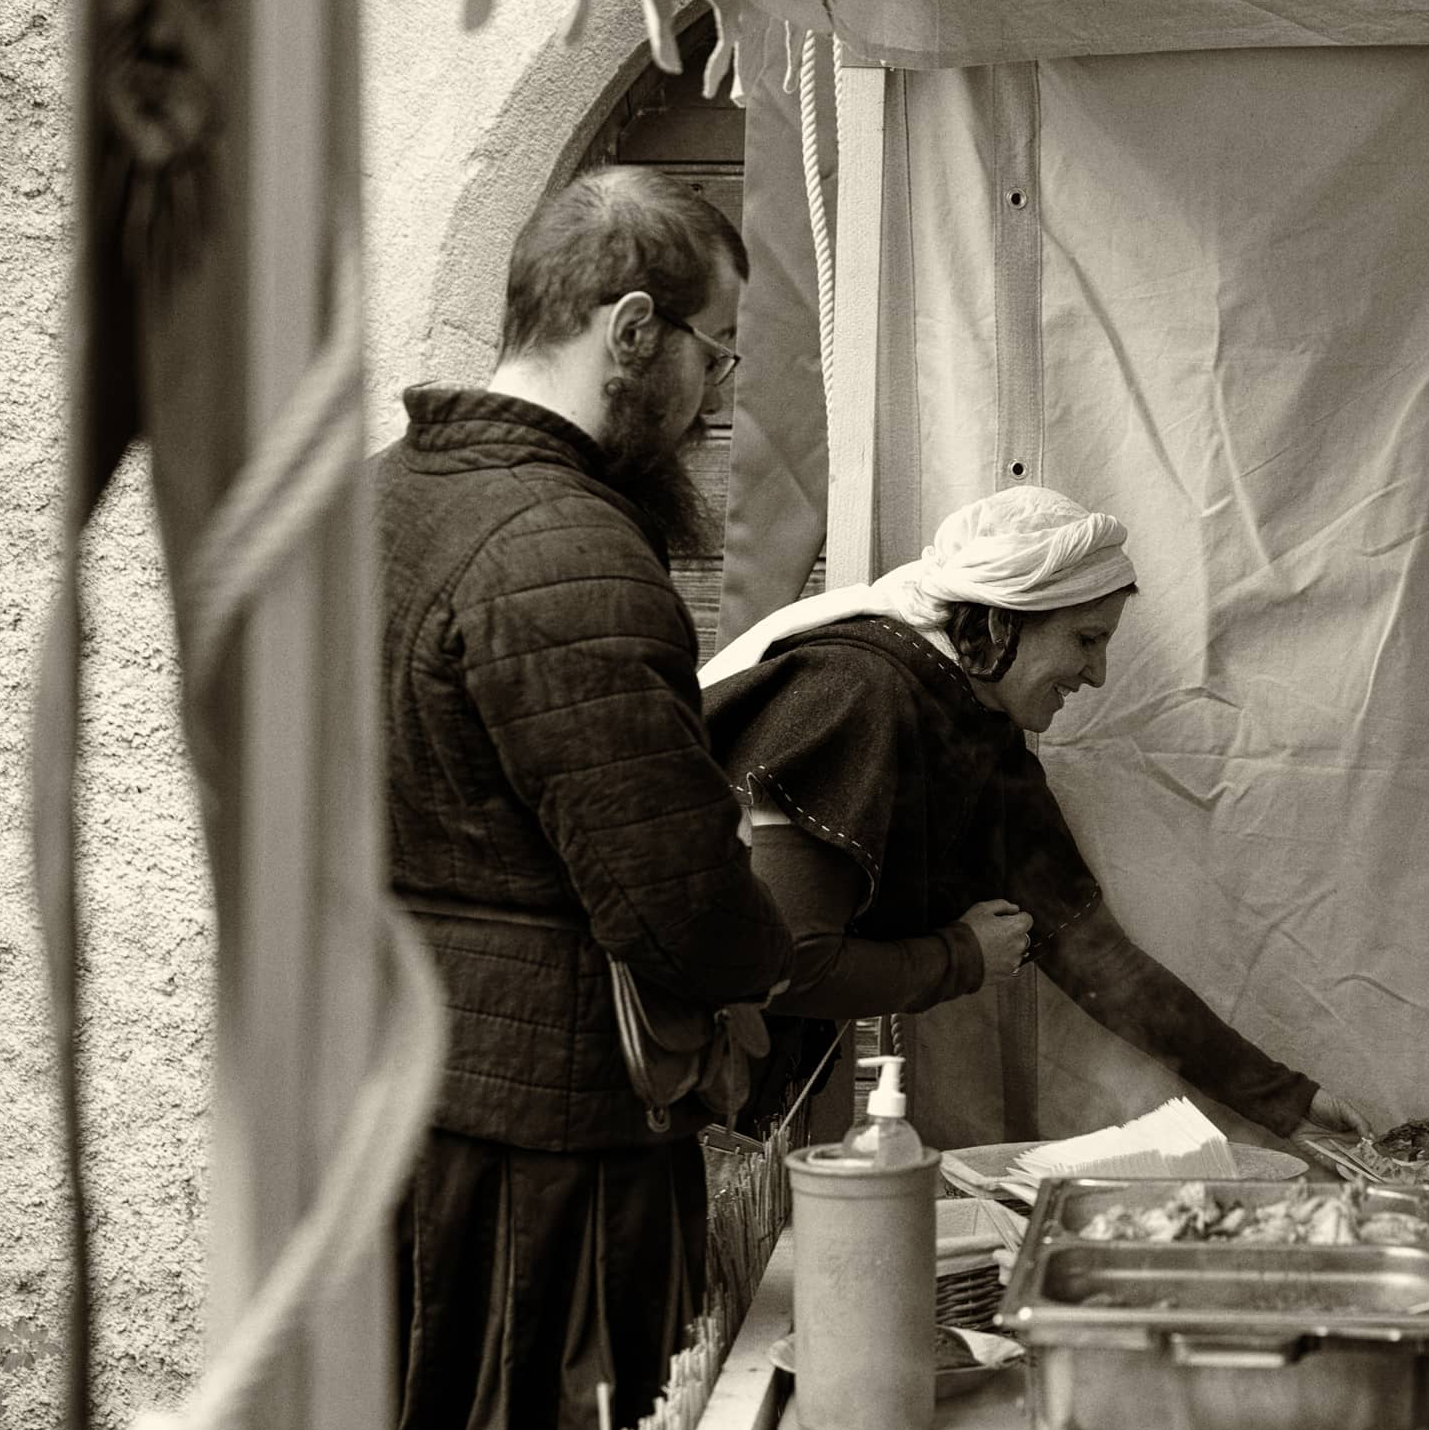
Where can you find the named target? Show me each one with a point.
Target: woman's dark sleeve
(1081, 947)
(1130, 993)
(818, 890)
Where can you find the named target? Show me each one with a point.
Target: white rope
(660, 30)
(273, 507)
(300, 467)
(729, 29)
(818, 216)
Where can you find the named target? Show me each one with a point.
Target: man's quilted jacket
(550, 787)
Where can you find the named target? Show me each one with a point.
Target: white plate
(946, 1383)
(978, 1171)
(967, 1285)
(975, 1311)
(1265, 1164)
(986, 1298)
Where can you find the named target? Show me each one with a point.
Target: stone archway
(534, 143)
(640, 115)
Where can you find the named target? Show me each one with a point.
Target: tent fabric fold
(938, 34)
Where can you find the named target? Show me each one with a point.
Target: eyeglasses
(723, 360)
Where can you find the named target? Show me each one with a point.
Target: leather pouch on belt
(673, 1047)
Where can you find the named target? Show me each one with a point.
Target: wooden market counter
(753, 1394)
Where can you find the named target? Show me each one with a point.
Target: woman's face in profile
(1057, 654)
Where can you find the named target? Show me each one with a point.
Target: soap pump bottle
(885, 1139)
(865, 1270)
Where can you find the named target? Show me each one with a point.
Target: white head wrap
(1023, 549)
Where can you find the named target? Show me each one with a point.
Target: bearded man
(553, 801)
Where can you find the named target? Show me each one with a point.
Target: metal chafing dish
(1228, 1335)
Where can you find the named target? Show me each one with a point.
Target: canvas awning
(1204, 309)
(937, 34)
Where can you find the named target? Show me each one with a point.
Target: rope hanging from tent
(818, 216)
(824, 261)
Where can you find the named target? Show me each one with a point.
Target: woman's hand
(1003, 933)
(1328, 1113)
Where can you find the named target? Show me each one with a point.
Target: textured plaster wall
(146, 1010)
(463, 130)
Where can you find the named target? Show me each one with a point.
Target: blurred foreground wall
(463, 131)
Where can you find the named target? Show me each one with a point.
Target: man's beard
(644, 465)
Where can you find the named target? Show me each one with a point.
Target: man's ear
(625, 325)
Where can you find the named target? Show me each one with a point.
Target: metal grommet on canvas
(1017, 198)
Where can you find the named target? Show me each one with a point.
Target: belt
(490, 913)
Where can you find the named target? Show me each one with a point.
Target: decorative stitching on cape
(812, 818)
(923, 648)
(1067, 922)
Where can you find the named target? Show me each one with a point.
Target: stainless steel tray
(1217, 1335)
(1133, 1292)
(1365, 1292)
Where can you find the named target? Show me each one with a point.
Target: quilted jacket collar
(454, 429)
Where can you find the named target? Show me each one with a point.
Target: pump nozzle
(888, 1098)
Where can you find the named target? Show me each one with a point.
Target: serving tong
(1340, 1151)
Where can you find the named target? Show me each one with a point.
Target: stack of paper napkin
(1174, 1140)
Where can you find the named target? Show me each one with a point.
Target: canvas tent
(1167, 259)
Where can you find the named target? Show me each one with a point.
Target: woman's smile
(1057, 654)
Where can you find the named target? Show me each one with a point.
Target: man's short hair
(610, 232)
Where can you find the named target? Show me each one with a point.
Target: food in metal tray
(1195, 1213)
(1400, 1155)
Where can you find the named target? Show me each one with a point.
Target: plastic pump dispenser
(885, 1139)
(865, 1270)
